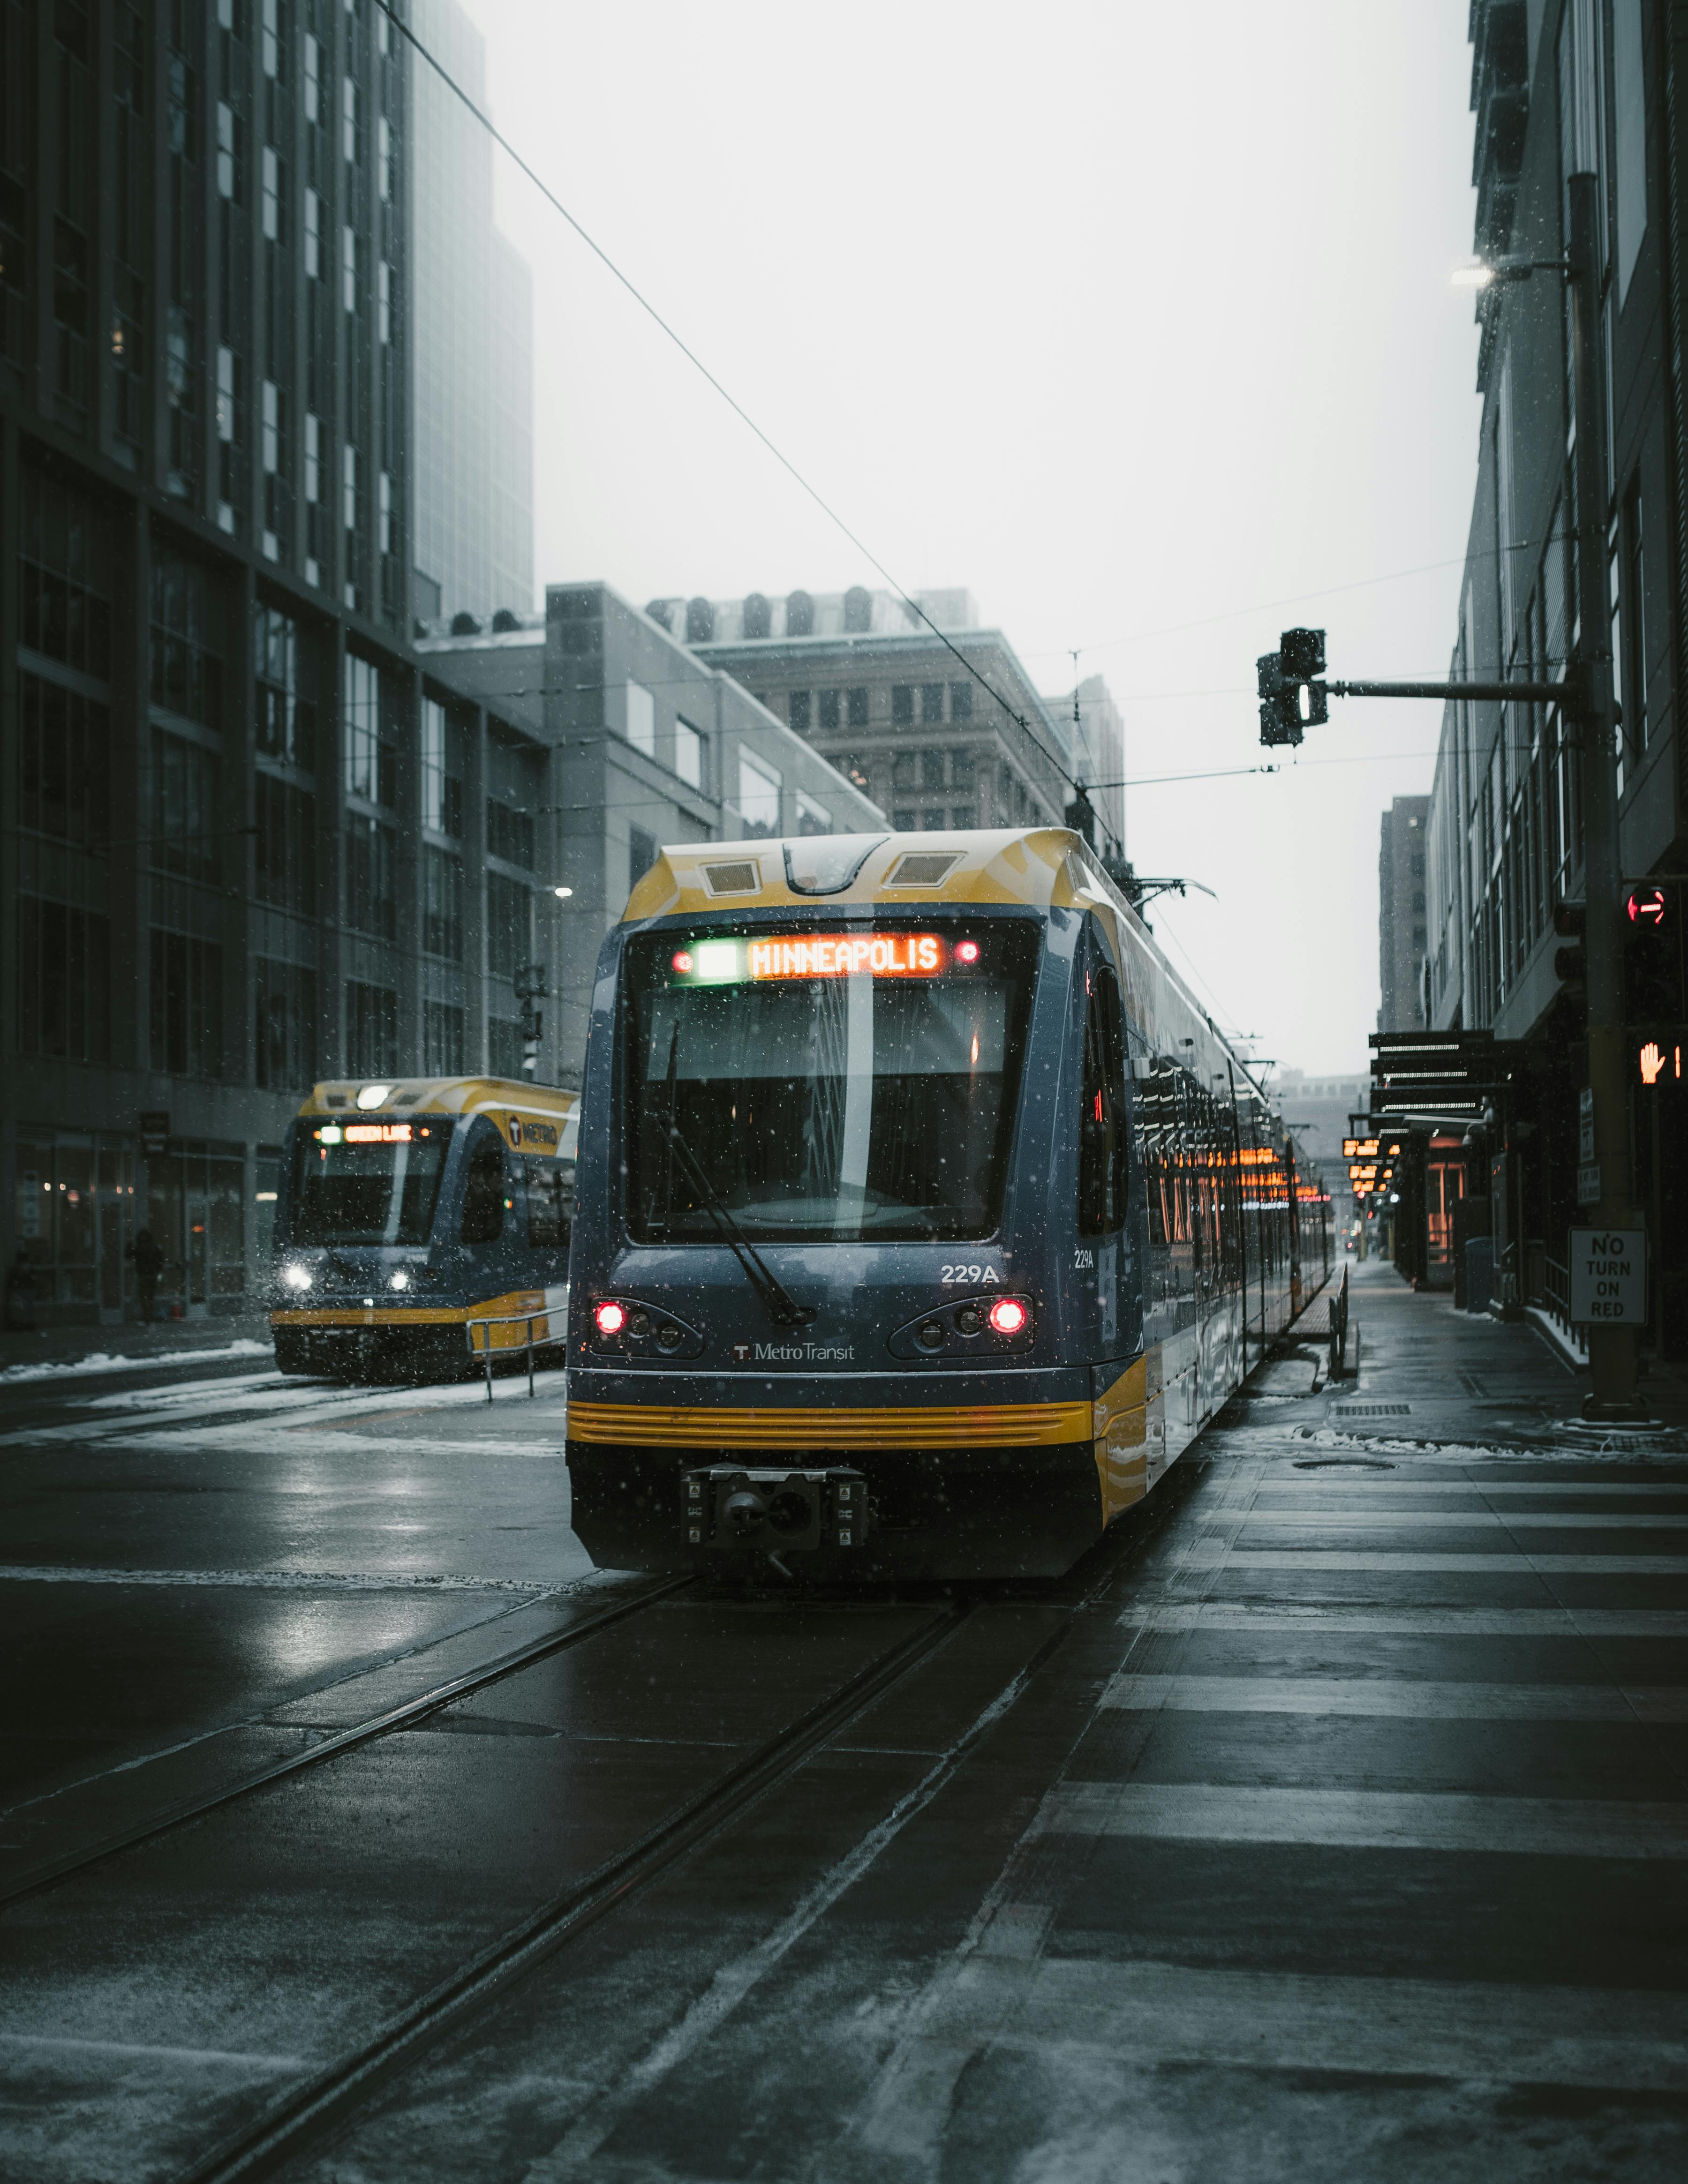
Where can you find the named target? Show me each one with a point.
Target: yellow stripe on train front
(1002, 1425)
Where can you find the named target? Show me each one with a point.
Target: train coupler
(772, 1513)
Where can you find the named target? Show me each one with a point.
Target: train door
(1102, 1225)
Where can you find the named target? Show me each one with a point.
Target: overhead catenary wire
(738, 408)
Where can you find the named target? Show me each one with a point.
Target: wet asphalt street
(1330, 1821)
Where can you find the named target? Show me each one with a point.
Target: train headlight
(1008, 1316)
(296, 1276)
(609, 1317)
(401, 1280)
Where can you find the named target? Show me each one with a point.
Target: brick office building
(888, 703)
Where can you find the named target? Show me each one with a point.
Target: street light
(562, 893)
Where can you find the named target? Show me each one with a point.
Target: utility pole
(1294, 696)
(1611, 1350)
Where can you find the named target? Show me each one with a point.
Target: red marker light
(967, 951)
(683, 960)
(1009, 1315)
(610, 1317)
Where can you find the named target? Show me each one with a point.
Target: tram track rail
(388, 1722)
(331, 2094)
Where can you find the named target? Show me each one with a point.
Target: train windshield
(367, 1182)
(832, 1087)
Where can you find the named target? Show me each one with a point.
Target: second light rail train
(922, 1218)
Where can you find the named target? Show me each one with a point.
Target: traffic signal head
(1302, 652)
(1280, 702)
(1651, 925)
(1570, 922)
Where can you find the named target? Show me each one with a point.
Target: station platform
(1328, 1822)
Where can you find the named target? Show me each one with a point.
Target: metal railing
(485, 1347)
(1555, 1294)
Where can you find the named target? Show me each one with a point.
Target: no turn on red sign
(1609, 1272)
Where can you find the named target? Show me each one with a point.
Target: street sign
(1586, 1125)
(154, 1131)
(1608, 1277)
(1588, 1183)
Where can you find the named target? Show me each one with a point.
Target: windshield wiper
(783, 1308)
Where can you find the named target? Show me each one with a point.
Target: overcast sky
(1128, 317)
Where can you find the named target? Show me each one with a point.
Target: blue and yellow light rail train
(923, 1216)
(409, 1207)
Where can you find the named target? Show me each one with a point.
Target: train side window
(1103, 1155)
(550, 1201)
(483, 1195)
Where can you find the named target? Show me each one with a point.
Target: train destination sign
(819, 955)
(1608, 1270)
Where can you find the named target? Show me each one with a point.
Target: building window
(371, 762)
(372, 1030)
(859, 609)
(510, 925)
(64, 981)
(313, 236)
(442, 757)
(181, 389)
(758, 794)
(383, 153)
(70, 313)
(442, 1039)
(829, 710)
(442, 903)
(286, 724)
(273, 194)
(348, 280)
(65, 575)
(275, 468)
(801, 711)
(383, 301)
(641, 854)
(229, 147)
(187, 993)
(383, 513)
(128, 351)
(963, 816)
(932, 821)
(799, 615)
(64, 764)
(284, 1026)
(371, 904)
(231, 436)
(700, 622)
(186, 835)
(905, 770)
(285, 847)
(758, 617)
(689, 754)
(858, 708)
(854, 765)
(313, 498)
(931, 769)
(961, 701)
(932, 703)
(904, 822)
(641, 719)
(1634, 698)
(504, 1047)
(187, 638)
(510, 833)
(961, 771)
(351, 138)
(902, 705)
(313, 78)
(812, 818)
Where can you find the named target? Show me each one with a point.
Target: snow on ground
(100, 1361)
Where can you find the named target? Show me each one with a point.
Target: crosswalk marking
(1313, 1617)
(1400, 1699)
(1382, 1819)
(1464, 1520)
(1326, 1482)
(1144, 2011)
(1202, 1556)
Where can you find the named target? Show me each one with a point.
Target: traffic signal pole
(1611, 1350)
(1294, 696)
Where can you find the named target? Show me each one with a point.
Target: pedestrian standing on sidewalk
(148, 1266)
